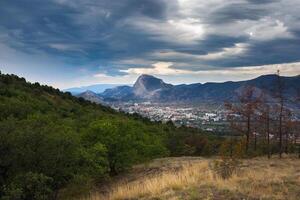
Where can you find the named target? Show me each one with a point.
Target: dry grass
(193, 178)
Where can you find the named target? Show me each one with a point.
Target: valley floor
(194, 178)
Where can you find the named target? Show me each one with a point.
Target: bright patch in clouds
(236, 50)
(165, 69)
(267, 29)
(159, 68)
(182, 31)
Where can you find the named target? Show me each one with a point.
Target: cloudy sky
(68, 43)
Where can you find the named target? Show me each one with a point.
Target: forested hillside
(55, 145)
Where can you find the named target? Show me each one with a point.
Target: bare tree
(288, 126)
(241, 113)
(297, 125)
(279, 96)
(265, 120)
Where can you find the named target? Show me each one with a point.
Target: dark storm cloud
(213, 43)
(104, 33)
(237, 11)
(262, 1)
(79, 32)
(264, 53)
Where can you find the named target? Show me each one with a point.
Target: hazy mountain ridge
(97, 88)
(120, 92)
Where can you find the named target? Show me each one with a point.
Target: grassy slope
(192, 178)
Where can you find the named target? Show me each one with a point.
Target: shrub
(31, 186)
(225, 167)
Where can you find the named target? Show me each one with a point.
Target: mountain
(148, 86)
(98, 88)
(91, 96)
(151, 88)
(120, 92)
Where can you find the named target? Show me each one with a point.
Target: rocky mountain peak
(149, 83)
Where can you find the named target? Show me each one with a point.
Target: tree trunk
(286, 142)
(231, 146)
(255, 141)
(55, 196)
(280, 130)
(268, 137)
(248, 134)
(280, 98)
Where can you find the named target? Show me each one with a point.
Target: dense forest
(54, 145)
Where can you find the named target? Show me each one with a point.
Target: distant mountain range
(150, 88)
(98, 88)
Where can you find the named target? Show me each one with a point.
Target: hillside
(57, 146)
(54, 142)
(195, 178)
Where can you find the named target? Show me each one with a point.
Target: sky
(68, 43)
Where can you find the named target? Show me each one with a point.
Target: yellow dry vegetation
(194, 178)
